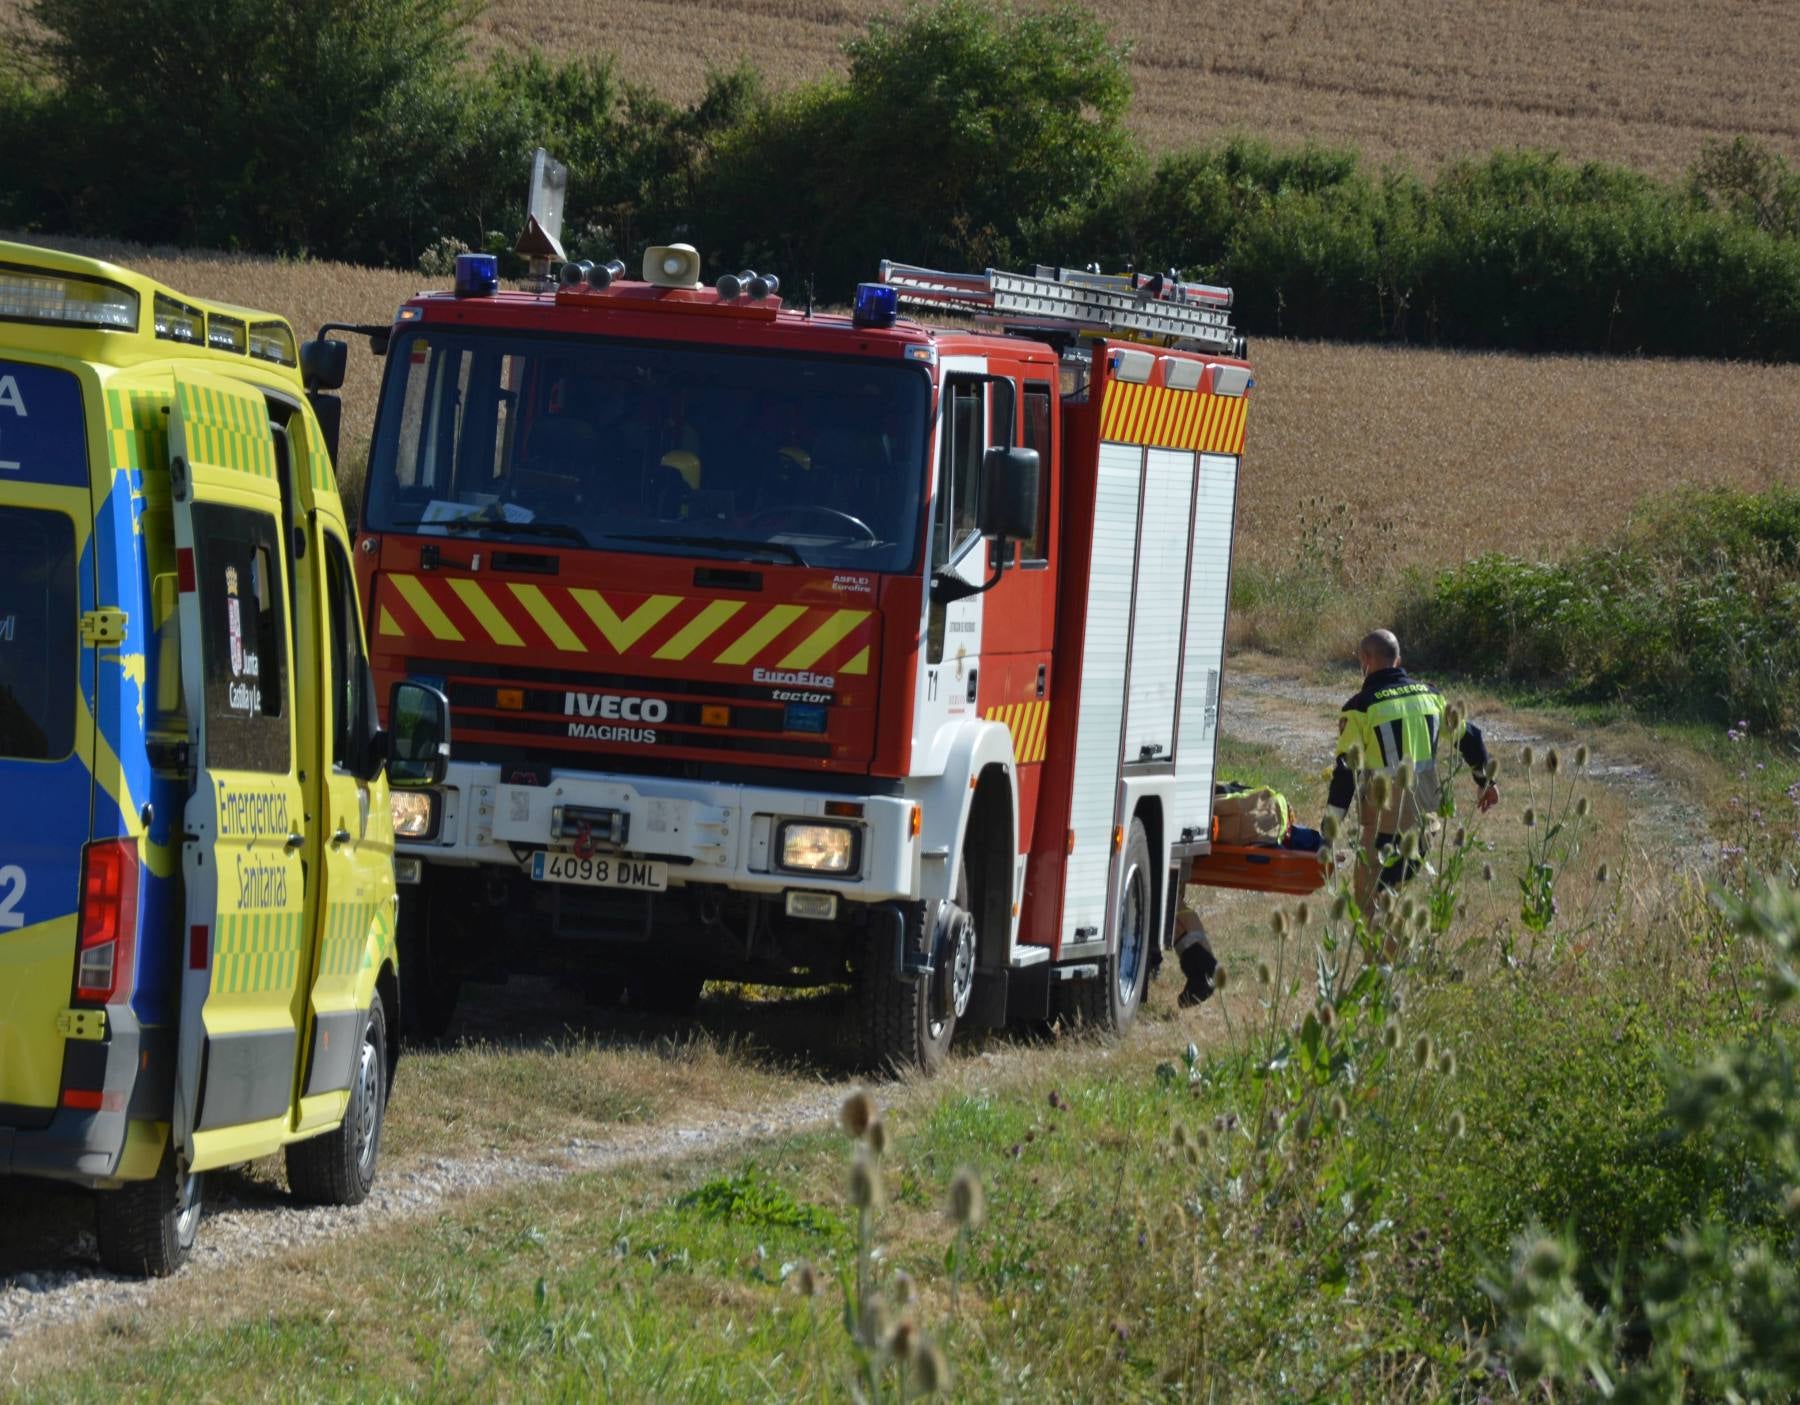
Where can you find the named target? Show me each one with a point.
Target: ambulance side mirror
(323, 362)
(419, 733)
(1009, 493)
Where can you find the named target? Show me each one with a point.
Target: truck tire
(665, 992)
(909, 1022)
(338, 1168)
(147, 1228)
(431, 981)
(1111, 1002)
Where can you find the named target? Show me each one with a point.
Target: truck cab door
(243, 841)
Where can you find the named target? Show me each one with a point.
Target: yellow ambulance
(197, 959)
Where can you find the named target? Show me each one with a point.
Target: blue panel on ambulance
(43, 437)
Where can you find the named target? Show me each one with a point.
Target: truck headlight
(809, 847)
(415, 813)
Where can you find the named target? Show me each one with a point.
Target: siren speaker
(672, 266)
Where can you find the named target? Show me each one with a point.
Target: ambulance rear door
(244, 842)
(46, 725)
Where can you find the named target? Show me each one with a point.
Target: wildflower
(1453, 718)
(966, 1205)
(1328, 828)
(1381, 791)
(1581, 756)
(1264, 976)
(1303, 915)
(1529, 818)
(806, 1281)
(1552, 761)
(1460, 840)
(931, 1371)
(1602, 873)
(1487, 873)
(1404, 775)
(865, 1183)
(1407, 909)
(1327, 1016)
(878, 1137)
(1340, 907)
(1340, 1110)
(1582, 807)
(1409, 847)
(1221, 978)
(1447, 1064)
(1493, 769)
(1390, 1036)
(856, 1115)
(1180, 1135)
(1422, 1051)
(1354, 757)
(1459, 1126)
(1278, 922)
(1527, 757)
(903, 1341)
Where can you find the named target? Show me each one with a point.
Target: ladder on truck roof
(1132, 306)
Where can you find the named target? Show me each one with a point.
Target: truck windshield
(652, 448)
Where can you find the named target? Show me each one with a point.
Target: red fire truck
(804, 648)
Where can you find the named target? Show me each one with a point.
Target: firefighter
(1392, 722)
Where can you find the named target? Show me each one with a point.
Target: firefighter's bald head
(1379, 649)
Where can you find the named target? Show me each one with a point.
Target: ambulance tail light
(109, 899)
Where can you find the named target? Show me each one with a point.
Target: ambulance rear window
(38, 627)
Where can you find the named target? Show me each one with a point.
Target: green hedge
(965, 133)
(1694, 611)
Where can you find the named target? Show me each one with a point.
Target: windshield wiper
(560, 530)
(712, 543)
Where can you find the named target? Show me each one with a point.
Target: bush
(1695, 611)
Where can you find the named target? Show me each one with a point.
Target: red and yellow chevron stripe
(1173, 419)
(433, 610)
(1029, 723)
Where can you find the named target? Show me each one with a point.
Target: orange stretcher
(1261, 868)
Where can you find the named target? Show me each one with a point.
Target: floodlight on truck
(65, 300)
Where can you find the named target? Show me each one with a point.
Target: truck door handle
(294, 841)
(340, 836)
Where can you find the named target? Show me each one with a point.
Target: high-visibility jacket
(1395, 718)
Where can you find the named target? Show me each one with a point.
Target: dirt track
(48, 1270)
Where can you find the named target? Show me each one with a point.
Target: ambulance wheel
(664, 992)
(909, 1022)
(339, 1167)
(147, 1228)
(1111, 1002)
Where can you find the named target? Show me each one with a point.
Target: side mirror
(419, 735)
(1009, 493)
(322, 364)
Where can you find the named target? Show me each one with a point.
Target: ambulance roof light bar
(1159, 308)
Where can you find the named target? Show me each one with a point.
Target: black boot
(1198, 964)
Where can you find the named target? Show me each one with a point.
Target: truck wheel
(147, 1228)
(1111, 1003)
(664, 992)
(431, 982)
(908, 1023)
(339, 1167)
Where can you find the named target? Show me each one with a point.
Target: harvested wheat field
(1645, 83)
(1442, 453)
(1642, 82)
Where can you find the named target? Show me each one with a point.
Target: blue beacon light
(877, 305)
(477, 275)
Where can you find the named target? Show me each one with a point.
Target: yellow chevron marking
(547, 619)
(1040, 740)
(814, 647)
(387, 625)
(426, 608)
(858, 665)
(699, 629)
(623, 633)
(761, 634)
(486, 613)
